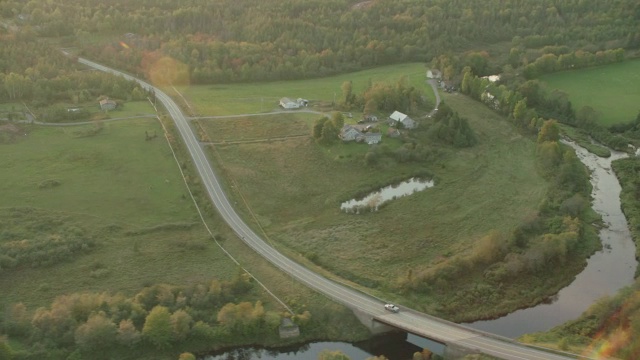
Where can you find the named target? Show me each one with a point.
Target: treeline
(161, 317)
(33, 72)
(528, 103)
(547, 239)
(628, 173)
(226, 41)
(551, 62)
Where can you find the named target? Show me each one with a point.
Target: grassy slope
(611, 90)
(263, 97)
(295, 187)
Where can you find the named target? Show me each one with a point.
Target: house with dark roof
(350, 133)
(107, 104)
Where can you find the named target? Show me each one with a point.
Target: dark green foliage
(6, 353)
(451, 128)
(253, 41)
(325, 131)
(628, 172)
(391, 97)
(40, 241)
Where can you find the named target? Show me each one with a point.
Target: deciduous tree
(157, 327)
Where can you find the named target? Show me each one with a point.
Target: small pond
(372, 201)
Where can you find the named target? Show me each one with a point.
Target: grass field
(231, 99)
(612, 90)
(115, 175)
(127, 195)
(295, 187)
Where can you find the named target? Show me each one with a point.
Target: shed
(287, 103)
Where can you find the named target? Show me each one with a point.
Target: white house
(287, 103)
(434, 74)
(398, 117)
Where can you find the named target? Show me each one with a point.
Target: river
(607, 271)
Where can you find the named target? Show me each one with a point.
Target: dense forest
(226, 40)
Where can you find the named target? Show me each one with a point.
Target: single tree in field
(337, 119)
(347, 93)
(157, 327)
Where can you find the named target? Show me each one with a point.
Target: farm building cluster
(369, 133)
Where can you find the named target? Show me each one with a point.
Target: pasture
(612, 90)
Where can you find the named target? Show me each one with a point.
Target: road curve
(407, 319)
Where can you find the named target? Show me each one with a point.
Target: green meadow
(115, 175)
(229, 99)
(612, 90)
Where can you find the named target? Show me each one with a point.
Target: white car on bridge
(392, 308)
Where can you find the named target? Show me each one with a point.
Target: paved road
(412, 321)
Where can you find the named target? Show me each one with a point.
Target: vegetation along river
(607, 271)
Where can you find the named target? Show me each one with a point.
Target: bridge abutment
(374, 326)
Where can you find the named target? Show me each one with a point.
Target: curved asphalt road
(414, 322)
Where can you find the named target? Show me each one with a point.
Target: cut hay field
(612, 90)
(229, 99)
(295, 187)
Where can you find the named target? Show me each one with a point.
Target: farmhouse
(434, 74)
(398, 117)
(350, 133)
(107, 104)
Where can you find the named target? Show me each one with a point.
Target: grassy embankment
(127, 197)
(294, 189)
(612, 90)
